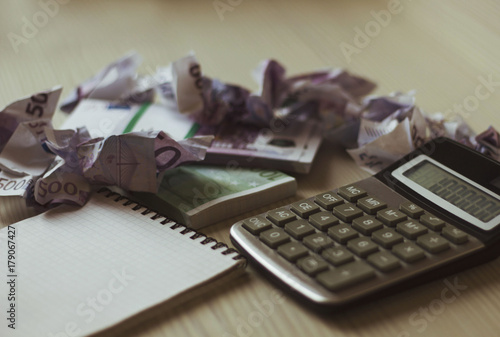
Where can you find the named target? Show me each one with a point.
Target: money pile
(392, 126)
(281, 126)
(48, 166)
(131, 140)
(193, 195)
(376, 130)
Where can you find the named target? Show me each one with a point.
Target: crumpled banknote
(22, 155)
(117, 81)
(332, 96)
(488, 142)
(392, 126)
(328, 95)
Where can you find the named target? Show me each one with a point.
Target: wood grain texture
(439, 48)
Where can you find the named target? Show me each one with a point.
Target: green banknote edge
(222, 207)
(234, 204)
(238, 195)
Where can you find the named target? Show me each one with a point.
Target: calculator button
(317, 242)
(371, 205)
(337, 255)
(346, 275)
(256, 224)
(366, 224)
(323, 220)
(299, 228)
(387, 237)
(347, 212)
(391, 216)
(304, 208)
(455, 235)
(410, 209)
(292, 251)
(433, 243)
(281, 216)
(312, 265)
(431, 221)
(342, 233)
(274, 237)
(411, 229)
(362, 246)
(328, 200)
(384, 261)
(408, 251)
(351, 192)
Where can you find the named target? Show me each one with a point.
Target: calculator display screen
(451, 191)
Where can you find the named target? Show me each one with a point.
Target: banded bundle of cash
(198, 196)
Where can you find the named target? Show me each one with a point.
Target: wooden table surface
(445, 50)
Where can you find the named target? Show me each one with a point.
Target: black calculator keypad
(323, 220)
(304, 208)
(371, 205)
(387, 237)
(274, 237)
(281, 216)
(312, 265)
(337, 255)
(411, 209)
(411, 229)
(292, 251)
(342, 233)
(431, 221)
(455, 235)
(346, 275)
(384, 261)
(328, 200)
(347, 212)
(391, 216)
(408, 251)
(351, 192)
(317, 242)
(299, 228)
(362, 246)
(366, 224)
(433, 243)
(346, 237)
(256, 224)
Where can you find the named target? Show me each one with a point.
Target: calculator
(432, 213)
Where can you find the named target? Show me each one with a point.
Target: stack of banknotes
(201, 195)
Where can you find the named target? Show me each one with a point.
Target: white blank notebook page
(82, 270)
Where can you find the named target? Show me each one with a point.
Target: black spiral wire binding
(185, 230)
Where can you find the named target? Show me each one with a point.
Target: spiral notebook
(77, 272)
